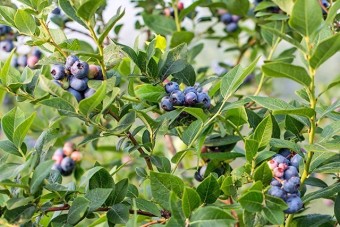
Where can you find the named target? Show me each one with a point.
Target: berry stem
(134, 142)
(100, 48)
(178, 23)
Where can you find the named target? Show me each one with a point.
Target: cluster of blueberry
(6, 38)
(231, 21)
(65, 159)
(74, 76)
(191, 96)
(29, 60)
(169, 12)
(286, 181)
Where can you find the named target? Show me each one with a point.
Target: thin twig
(159, 221)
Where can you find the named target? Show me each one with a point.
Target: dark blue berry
(166, 104)
(4, 30)
(36, 52)
(58, 72)
(294, 203)
(203, 98)
(80, 69)
(171, 86)
(89, 92)
(14, 62)
(280, 159)
(67, 165)
(232, 27)
(22, 60)
(226, 18)
(57, 167)
(291, 171)
(70, 60)
(190, 99)
(199, 174)
(7, 45)
(76, 94)
(56, 11)
(78, 84)
(275, 182)
(189, 89)
(291, 185)
(285, 152)
(295, 161)
(177, 98)
(277, 192)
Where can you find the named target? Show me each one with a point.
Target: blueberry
(67, 165)
(226, 18)
(177, 98)
(36, 52)
(189, 89)
(275, 182)
(295, 161)
(78, 84)
(203, 98)
(284, 166)
(59, 152)
(294, 203)
(32, 61)
(14, 61)
(56, 11)
(291, 171)
(280, 159)
(232, 27)
(89, 92)
(7, 45)
(58, 72)
(292, 185)
(285, 152)
(277, 192)
(235, 18)
(272, 164)
(99, 74)
(70, 60)
(190, 99)
(93, 71)
(199, 174)
(80, 69)
(166, 104)
(278, 172)
(171, 87)
(325, 4)
(76, 94)
(4, 30)
(22, 60)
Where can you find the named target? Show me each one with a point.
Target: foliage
(140, 161)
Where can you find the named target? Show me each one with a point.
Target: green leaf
(149, 92)
(278, 143)
(101, 178)
(97, 197)
(237, 116)
(211, 216)
(60, 104)
(22, 129)
(238, 7)
(252, 201)
(263, 173)
(118, 214)
(234, 78)
(9, 147)
(109, 25)
(221, 156)
(162, 163)
(228, 187)
(69, 10)
(175, 61)
(263, 132)
(181, 37)
(190, 132)
(8, 14)
(322, 193)
(120, 191)
(5, 69)
(190, 201)
(332, 12)
(87, 10)
(161, 186)
(77, 210)
(196, 112)
(125, 123)
(306, 17)
(312, 220)
(337, 207)
(274, 216)
(187, 75)
(209, 189)
(285, 5)
(89, 104)
(159, 24)
(177, 215)
(148, 206)
(324, 50)
(251, 146)
(286, 70)
(25, 22)
(39, 174)
(333, 167)
(329, 131)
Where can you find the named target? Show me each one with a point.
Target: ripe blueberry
(7, 45)
(58, 72)
(189, 89)
(80, 69)
(199, 174)
(166, 104)
(280, 159)
(76, 94)
(232, 27)
(285, 152)
(294, 203)
(291, 171)
(226, 18)
(67, 165)
(171, 87)
(190, 99)
(78, 84)
(295, 161)
(56, 11)
(70, 60)
(292, 185)
(177, 98)
(14, 62)
(22, 60)
(277, 192)
(204, 99)
(275, 182)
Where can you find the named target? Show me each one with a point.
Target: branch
(134, 141)
(160, 221)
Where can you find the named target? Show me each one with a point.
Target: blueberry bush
(97, 132)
